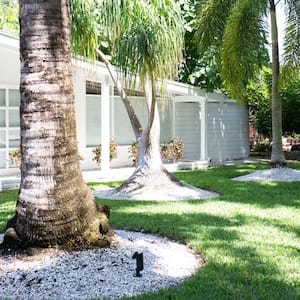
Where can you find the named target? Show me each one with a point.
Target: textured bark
(54, 204)
(277, 155)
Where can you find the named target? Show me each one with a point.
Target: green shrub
(133, 152)
(113, 148)
(170, 151)
(15, 157)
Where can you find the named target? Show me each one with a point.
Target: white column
(203, 131)
(105, 134)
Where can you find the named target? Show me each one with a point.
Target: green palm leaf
(291, 55)
(211, 22)
(85, 29)
(244, 45)
(146, 36)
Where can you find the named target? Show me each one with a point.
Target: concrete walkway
(10, 179)
(116, 174)
(93, 175)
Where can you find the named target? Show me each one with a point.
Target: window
(2, 97)
(93, 120)
(123, 131)
(166, 116)
(120, 126)
(9, 124)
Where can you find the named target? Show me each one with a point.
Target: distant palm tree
(238, 28)
(54, 204)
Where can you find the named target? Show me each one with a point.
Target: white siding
(227, 131)
(187, 127)
(10, 66)
(226, 123)
(123, 132)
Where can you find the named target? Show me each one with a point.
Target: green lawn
(249, 236)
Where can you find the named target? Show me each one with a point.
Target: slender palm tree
(146, 41)
(238, 29)
(86, 33)
(54, 204)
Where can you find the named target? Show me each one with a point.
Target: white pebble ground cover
(98, 273)
(273, 174)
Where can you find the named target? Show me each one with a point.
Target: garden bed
(289, 155)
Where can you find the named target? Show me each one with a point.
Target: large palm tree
(238, 29)
(54, 204)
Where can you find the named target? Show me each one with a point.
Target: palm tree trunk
(150, 170)
(277, 156)
(149, 144)
(54, 204)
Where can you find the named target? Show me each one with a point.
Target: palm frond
(144, 34)
(211, 22)
(244, 45)
(291, 55)
(84, 28)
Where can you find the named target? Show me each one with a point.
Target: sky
(280, 25)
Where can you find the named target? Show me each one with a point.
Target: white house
(211, 126)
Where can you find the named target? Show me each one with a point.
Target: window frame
(7, 128)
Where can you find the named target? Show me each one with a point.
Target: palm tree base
(96, 235)
(278, 164)
(144, 179)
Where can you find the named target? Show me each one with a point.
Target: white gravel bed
(273, 174)
(179, 193)
(56, 274)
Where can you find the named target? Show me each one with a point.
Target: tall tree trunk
(277, 156)
(54, 204)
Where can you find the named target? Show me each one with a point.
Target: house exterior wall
(227, 131)
(9, 61)
(188, 128)
(9, 99)
(210, 126)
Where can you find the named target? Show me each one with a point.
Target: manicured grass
(249, 236)
(7, 207)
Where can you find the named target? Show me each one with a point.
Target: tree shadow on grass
(235, 268)
(261, 194)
